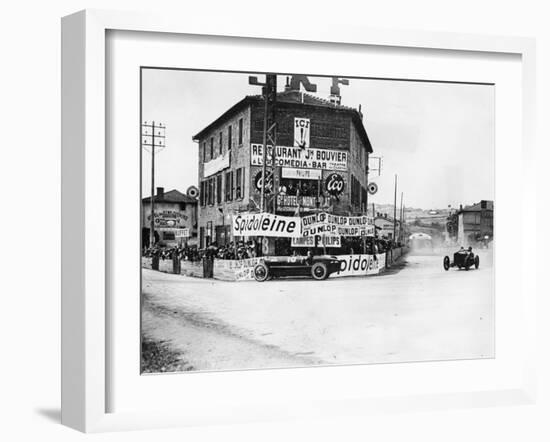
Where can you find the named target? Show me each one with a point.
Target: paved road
(419, 312)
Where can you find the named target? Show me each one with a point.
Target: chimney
(461, 207)
(160, 192)
(287, 85)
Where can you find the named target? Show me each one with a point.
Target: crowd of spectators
(181, 252)
(250, 249)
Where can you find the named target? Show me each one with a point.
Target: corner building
(325, 169)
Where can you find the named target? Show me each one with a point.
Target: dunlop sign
(327, 224)
(301, 158)
(266, 224)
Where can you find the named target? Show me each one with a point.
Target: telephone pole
(269, 92)
(152, 140)
(401, 219)
(395, 208)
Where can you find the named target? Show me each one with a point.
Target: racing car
(317, 267)
(462, 259)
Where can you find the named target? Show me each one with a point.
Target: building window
(219, 188)
(202, 194)
(211, 147)
(229, 186)
(208, 233)
(355, 192)
(229, 138)
(211, 190)
(221, 143)
(204, 151)
(238, 194)
(240, 131)
(168, 236)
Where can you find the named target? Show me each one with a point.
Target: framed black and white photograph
(357, 246)
(292, 223)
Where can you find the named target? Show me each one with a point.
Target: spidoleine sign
(266, 224)
(350, 265)
(324, 224)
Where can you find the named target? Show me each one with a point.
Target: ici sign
(334, 184)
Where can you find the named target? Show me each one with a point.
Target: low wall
(242, 269)
(188, 268)
(235, 269)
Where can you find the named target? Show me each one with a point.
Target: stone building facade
(328, 172)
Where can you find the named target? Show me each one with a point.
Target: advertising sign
(266, 224)
(169, 218)
(181, 233)
(301, 174)
(236, 269)
(372, 188)
(309, 241)
(258, 182)
(360, 265)
(217, 164)
(298, 158)
(291, 202)
(301, 132)
(327, 224)
(334, 184)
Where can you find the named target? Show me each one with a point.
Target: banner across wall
(324, 224)
(266, 224)
(328, 224)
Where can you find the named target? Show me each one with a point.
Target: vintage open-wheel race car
(463, 259)
(316, 267)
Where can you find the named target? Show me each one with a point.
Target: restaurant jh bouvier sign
(304, 158)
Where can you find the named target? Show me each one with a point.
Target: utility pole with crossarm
(153, 141)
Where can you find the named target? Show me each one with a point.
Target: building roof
(385, 218)
(173, 196)
(292, 97)
(477, 207)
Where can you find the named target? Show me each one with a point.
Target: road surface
(416, 313)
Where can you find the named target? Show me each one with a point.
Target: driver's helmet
(470, 249)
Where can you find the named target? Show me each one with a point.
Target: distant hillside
(412, 214)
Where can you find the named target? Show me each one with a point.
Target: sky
(438, 138)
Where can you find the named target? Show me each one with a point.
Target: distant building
(475, 222)
(384, 226)
(174, 212)
(327, 172)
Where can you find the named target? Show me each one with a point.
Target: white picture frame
(85, 217)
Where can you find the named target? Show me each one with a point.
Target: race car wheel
(261, 272)
(319, 271)
(446, 263)
(476, 261)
